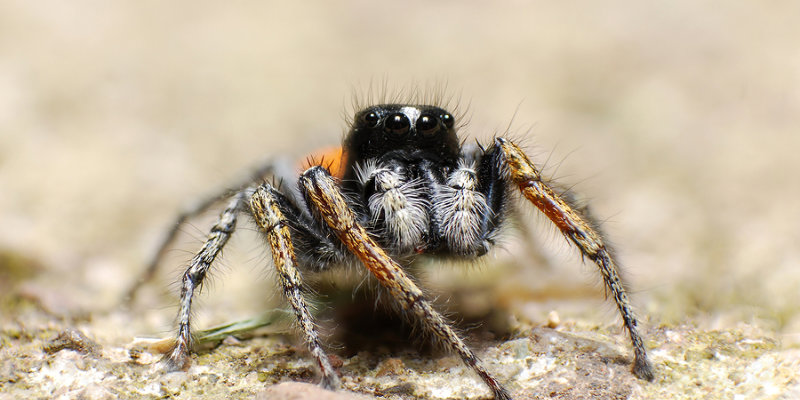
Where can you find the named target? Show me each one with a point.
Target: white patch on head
(412, 113)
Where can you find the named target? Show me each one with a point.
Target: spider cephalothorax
(423, 192)
(402, 186)
(397, 130)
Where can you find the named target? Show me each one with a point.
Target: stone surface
(573, 362)
(304, 391)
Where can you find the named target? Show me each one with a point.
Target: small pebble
(305, 391)
(390, 367)
(553, 320)
(95, 392)
(231, 341)
(72, 339)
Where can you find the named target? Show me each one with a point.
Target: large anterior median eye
(397, 124)
(427, 125)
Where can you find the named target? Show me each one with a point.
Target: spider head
(402, 130)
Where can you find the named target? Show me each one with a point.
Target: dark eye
(448, 120)
(397, 124)
(370, 119)
(427, 125)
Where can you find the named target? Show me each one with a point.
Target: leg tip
(331, 382)
(176, 360)
(502, 394)
(643, 369)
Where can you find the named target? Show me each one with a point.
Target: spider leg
(327, 200)
(519, 170)
(178, 357)
(264, 206)
(152, 266)
(192, 211)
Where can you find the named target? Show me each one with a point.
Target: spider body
(401, 186)
(415, 188)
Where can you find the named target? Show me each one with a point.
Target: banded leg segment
(269, 218)
(178, 357)
(326, 199)
(519, 170)
(166, 241)
(266, 167)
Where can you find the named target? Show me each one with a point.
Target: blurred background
(678, 121)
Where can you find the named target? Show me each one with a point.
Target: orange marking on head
(332, 158)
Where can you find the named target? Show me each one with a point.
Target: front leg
(265, 209)
(327, 200)
(515, 166)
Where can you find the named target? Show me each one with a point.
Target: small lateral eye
(371, 119)
(427, 125)
(448, 120)
(397, 124)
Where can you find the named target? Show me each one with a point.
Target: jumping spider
(402, 186)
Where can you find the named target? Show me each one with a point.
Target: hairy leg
(178, 357)
(199, 207)
(578, 228)
(264, 207)
(325, 197)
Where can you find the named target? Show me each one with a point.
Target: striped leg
(152, 266)
(266, 167)
(325, 198)
(178, 357)
(271, 221)
(579, 229)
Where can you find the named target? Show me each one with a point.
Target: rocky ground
(51, 356)
(678, 123)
